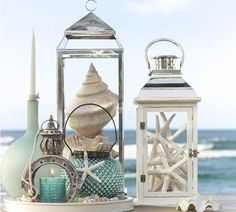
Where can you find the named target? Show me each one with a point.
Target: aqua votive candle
(52, 189)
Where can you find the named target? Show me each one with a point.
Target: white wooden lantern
(166, 133)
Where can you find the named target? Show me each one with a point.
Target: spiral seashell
(89, 120)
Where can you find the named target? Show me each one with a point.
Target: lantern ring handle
(87, 5)
(167, 40)
(87, 104)
(58, 125)
(75, 180)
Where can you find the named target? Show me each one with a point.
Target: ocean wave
(204, 149)
(217, 153)
(209, 150)
(220, 143)
(130, 175)
(216, 140)
(5, 140)
(213, 139)
(201, 176)
(210, 176)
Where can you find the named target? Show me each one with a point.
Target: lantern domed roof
(167, 89)
(166, 83)
(90, 25)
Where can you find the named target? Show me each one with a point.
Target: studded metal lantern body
(110, 173)
(166, 133)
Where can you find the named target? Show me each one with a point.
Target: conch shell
(89, 120)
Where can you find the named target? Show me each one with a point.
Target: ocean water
(216, 166)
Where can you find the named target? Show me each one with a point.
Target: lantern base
(112, 206)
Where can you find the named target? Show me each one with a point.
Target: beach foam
(6, 140)
(204, 149)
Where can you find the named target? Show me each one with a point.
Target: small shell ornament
(89, 120)
(198, 203)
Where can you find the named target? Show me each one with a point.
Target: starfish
(167, 160)
(87, 170)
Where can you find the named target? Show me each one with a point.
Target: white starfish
(167, 160)
(87, 170)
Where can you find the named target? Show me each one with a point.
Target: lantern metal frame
(166, 91)
(82, 30)
(65, 164)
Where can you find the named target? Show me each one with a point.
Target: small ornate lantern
(51, 146)
(51, 143)
(166, 133)
(90, 28)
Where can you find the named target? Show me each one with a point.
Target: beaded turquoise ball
(110, 173)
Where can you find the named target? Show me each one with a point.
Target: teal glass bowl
(110, 174)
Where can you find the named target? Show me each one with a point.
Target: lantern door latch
(193, 153)
(143, 178)
(142, 125)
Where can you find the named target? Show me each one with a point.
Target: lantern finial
(91, 5)
(51, 118)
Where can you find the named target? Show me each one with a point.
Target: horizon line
(130, 129)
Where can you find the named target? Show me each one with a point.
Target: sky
(206, 29)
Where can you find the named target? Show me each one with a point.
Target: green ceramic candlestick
(19, 153)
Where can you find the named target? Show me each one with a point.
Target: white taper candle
(33, 68)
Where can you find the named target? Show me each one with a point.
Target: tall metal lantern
(89, 28)
(166, 133)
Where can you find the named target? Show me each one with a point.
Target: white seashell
(80, 143)
(198, 203)
(25, 198)
(89, 120)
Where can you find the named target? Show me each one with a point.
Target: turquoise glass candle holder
(52, 189)
(100, 174)
(110, 174)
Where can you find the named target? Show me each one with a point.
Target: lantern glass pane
(167, 161)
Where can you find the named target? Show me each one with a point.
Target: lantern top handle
(166, 40)
(91, 5)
